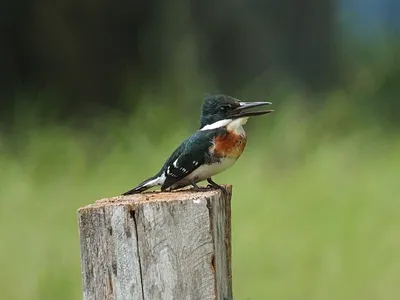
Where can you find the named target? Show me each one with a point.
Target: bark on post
(157, 245)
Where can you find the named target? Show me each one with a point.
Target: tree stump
(157, 246)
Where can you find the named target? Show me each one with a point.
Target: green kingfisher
(212, 149)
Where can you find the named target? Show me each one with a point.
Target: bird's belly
(206, 171)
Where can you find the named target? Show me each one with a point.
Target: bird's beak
(241, 111)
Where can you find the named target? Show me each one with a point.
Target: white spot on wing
(176, 163)
(169, 173)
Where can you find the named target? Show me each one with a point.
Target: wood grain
(174, 245)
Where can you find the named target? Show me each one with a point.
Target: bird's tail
(145, 185)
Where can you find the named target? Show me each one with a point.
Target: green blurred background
(96, 95)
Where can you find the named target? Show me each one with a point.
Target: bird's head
(221, 107)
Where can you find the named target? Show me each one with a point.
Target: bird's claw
(198, 189)
(214, 185)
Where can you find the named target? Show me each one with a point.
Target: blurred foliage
(315, 217)
(85, 55)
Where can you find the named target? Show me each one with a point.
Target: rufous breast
(230, 144)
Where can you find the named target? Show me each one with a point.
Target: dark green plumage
(216, 108)
(191, 154)
(195, 152)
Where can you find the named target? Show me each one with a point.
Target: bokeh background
(96, 94)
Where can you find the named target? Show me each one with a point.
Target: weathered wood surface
(157, 246)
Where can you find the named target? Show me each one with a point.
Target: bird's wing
(192, 153)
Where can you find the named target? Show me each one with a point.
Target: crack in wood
(133, 216)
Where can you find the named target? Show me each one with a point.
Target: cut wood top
(156, 196)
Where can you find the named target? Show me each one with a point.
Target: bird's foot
(215, 185)
(196, 188)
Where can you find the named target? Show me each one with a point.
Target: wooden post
(157, 246)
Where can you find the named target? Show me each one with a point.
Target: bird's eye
(223, 108)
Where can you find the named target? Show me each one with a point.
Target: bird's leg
(216, 186)
(196, 187)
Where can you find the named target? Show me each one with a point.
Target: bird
(213, 148)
